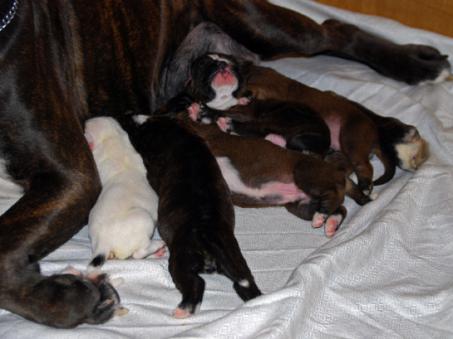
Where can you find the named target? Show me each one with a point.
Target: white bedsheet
(387, 273)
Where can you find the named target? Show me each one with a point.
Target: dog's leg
(356, 144)
(61, 185)
(184, 270)
(355, 193)
(289, 32)
(303, 211)
(232, 264)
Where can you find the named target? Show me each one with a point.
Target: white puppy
(121, 223)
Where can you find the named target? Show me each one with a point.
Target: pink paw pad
(244, 101)
(159, 253)
(224, 124)
(276, 139)
(318, 220)
(180, 313)
(332, 224)
(194, 111)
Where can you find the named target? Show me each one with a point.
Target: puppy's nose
(223, 65)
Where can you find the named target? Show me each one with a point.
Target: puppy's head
(212, 76)
(412, 151)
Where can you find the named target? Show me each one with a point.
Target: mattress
(387, 273)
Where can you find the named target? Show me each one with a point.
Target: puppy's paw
(159, 253)
(276, 139)
(318, 219)
(332, 223)
(244, 101)
(225, 124)
(181, 313)
(194, 111)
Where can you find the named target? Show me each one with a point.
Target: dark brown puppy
(261, 174)
(65, 61)
(351, 125)
(196, 217)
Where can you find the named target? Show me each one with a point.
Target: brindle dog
(62, 62)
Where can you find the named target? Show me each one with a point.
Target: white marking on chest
(278, 192)
(224, 98)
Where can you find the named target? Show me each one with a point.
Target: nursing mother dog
(62, 62)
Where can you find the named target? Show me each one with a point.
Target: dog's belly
(334, 124)
(271, 193)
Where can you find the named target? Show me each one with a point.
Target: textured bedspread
(387, 273)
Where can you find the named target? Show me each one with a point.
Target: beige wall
(432, 15)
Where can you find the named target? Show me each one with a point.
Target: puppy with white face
(216, 82)
(122, 221)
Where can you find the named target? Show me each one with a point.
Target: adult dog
(62, 62)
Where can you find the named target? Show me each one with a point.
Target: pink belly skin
(274, 192)
(282, 193)
(334, 124)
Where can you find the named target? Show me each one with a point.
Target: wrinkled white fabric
(387, 273)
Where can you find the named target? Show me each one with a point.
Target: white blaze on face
(217, 57)
(224, 98)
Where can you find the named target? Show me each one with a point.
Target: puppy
(283, 120)
(121, 223)
(196, 216)
(261, 174)
(400, 144)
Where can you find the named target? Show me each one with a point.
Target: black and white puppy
(216, 81)
(195, 213)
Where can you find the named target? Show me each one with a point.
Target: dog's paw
(159, 253)
(194, 111)
(276, 139)
(181, 313)
(225, 124)
(420, 63)
(318, 219)
(70, 300)
(332, 224)
(244, 101)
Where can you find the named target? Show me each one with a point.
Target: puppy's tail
(96, 262)
(389, 167)
(230, 262)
